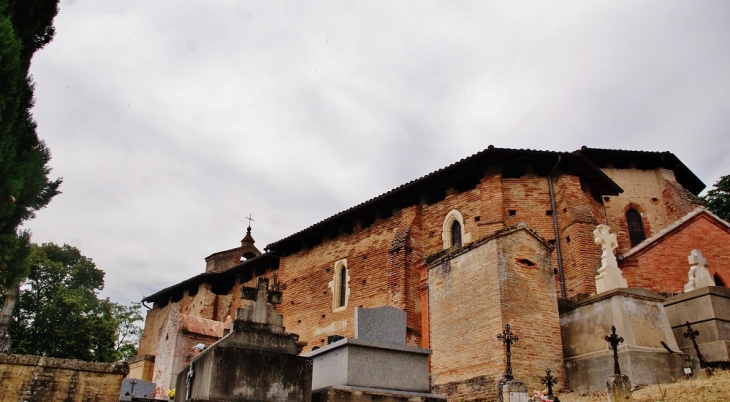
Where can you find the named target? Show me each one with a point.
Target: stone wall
(473, 292)
(42, 379)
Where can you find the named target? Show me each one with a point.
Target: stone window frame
(336, 286)
(453, 216)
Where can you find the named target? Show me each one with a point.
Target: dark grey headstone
(134, 388)
(381, 324)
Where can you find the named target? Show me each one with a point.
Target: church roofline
(463, 174)
(227, 276)
(647, 160)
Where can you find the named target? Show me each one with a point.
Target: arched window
(718, 280)
(343, 287)
(340, 286)
(456, 234)
(636, 227)
(453, 234)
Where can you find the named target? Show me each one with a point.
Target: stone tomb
(707, 310)
(376, 364)
(640, 318)
(136, 388)
(256, 361)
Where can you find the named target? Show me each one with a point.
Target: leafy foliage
(59, 313)
(717, 200)
(25, 27)
(128, 332)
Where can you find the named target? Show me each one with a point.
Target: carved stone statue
(609, 275)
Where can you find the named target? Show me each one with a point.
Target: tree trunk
(6, 315)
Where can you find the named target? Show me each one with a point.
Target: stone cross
(693, 334)
(508, 338)
(261, 293)
(549, 381)
(261, 311)
(609, 275)
(699, 276)
(614, 340)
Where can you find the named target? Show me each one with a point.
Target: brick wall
(663, 267)
(473, 293)
(26, 378)
(655, 194)
(378, 259)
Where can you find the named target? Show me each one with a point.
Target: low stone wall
(26, 378)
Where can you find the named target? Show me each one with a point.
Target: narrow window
(456, 234)
(636, 227)
(340, 286)
(343, 287)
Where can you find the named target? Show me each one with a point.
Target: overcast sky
(171, 121)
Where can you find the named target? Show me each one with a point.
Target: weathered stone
(136, 388)
(708, 311)
(361, 363)
(514, 391)
(619, 388)
(640, 319)
(381, 324)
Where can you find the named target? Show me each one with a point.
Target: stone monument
(256, 361)
(707, 310)
(609, 275)
(699, 275)
(648, 353)
(375, 365)
(136, 388)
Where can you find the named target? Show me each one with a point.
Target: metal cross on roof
(508, 338)
(614, 340)
(261, 293)
(693, 334)
(250, 219)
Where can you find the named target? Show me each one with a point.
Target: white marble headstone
(699, 275)
(609, 275)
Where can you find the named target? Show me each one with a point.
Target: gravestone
(256, 361)
(699, 275)
(381, 324)
(707, 310)
(609, 274)
(376, 364)
(136, 388)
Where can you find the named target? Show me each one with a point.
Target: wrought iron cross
(250, 219)
(549, 380)
(693, 334)
(508, 338)
(614, 340)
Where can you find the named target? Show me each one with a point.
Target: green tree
(25, 27)
(59, 313)
(717, 200)
(128, 330)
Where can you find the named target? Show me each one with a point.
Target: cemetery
(494, 279)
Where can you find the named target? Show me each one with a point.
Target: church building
(502, 236)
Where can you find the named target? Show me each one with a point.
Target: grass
(711, 389)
